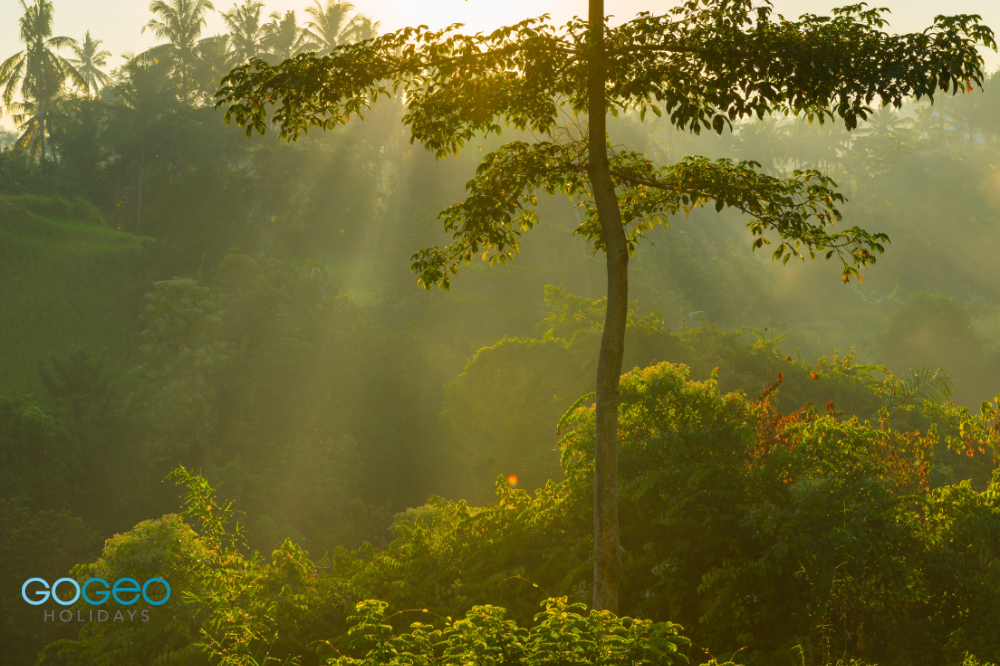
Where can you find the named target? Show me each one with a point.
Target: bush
(561, 636)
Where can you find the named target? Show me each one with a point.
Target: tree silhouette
(364, 28)
(141, 95)
(89, 61)
(885, 123)
(180, 22)
(330, 25)
(37, 73)
(816, 146)
(283, 39)
(762, 141)
(246, 31)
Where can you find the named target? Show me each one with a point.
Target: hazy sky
(119, 22)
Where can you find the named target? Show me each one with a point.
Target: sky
(119, 22)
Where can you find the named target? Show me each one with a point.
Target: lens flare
(512, 480)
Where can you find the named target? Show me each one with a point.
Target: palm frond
(11, 73)
(928, 383)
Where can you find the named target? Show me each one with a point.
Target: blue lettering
(105, 592)
(60, 601)
(119, 587)
(161, 601)
(123, 586)
(44, 595)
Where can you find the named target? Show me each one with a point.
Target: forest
(226, 364)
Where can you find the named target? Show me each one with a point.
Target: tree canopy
(707, 63)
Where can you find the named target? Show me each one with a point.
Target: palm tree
(89, 60)
(886, 123)
(38, 73)
(180, 22)
(142, 93)
(330, 25)
(762, 141)
(214, 62)
(35, 121)
(815, 145)
(988, 119)
(931, 123)
(246, 32)
(364, 28)
(282, 37)
(968, 115)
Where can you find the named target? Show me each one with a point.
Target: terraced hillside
(65, 279)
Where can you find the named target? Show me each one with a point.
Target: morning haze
(321, 345)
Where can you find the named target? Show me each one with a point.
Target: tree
(35, 119)
(180, 22)
(330, 25)
(89, 61)
(140, 95)
(7, 138)
(364, 28)
(815, 146)
(762, 141)
(246, 32)
(214, 61)
(38, 71)
(283, 38)
(707, 62)
(886, 123)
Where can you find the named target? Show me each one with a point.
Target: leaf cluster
(561, 635)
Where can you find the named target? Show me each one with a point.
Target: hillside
(65, 279)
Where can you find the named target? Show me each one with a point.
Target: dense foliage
(728, 528)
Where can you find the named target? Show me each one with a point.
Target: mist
(218, 369)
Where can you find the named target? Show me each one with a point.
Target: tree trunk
(607, 556)
(184, 81)
(41, 130)
(142, 164)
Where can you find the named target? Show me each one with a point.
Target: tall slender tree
(141, 95)
(38, 74)
(706, 62)
(180, 22)
(88, 62)
(246, 31)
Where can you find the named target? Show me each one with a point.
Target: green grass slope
(65, 279)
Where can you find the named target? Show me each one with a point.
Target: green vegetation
(727, 526)
(707, 63)
(68, 280)
(381, 474)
